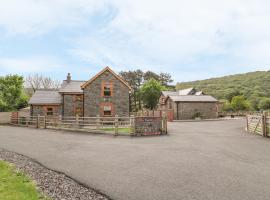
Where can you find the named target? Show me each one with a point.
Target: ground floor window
(107, 110)
(49, 111)
(79, 112)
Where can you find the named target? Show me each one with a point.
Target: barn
(188, 104)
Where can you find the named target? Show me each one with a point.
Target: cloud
(37, 17)
(37, 64)
(190, 39)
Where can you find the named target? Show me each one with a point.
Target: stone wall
(149, 126)
(189, 110)
(94, 100)
(71, 104)
(5, 117)
(41, 110)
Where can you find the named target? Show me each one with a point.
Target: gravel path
(53, 184)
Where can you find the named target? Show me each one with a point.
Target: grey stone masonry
(71, 104)
(41, 109)
(94, 100)
(189, 110)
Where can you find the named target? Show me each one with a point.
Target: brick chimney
(68, 78)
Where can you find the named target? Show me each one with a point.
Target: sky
(190, 39)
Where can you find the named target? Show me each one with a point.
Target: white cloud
(209, 37)
(37, 64)
(36, 17)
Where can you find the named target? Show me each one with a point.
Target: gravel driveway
(197, 160)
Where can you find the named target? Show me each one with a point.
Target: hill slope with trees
(254, 86)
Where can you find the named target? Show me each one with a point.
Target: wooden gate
(258, 124)
(170, 115)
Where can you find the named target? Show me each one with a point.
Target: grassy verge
(16, 186)
(120, 130)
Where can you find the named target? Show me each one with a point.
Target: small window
(78, 111)
(162, 100)
(49, 111)
(78, 97)
(107, 110)
(107, 90)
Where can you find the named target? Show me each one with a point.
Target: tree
(37, 81)
(227, 106)
(264, 104)
(150, 93)
(12, 96)
(135, 80)
(165, 79)
(150, 75)
(239, 103)
(232, 93)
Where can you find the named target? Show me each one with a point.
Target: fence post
(45, 121)
(132, 125)
(164, 123)
(38, 121)
(267, 123)
(59, 121)
(116, 123)
(247, 122)
(98, 122)
(77, 121)
(264, 124)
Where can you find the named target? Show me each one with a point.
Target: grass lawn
(120, 130)
(16, 186)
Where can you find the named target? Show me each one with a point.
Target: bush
(239, 103)
(264, 104)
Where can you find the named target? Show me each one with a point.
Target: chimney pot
(68, 78)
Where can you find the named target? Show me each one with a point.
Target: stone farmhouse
(188, 104)
(105, 94)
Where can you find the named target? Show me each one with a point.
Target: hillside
(253, 85)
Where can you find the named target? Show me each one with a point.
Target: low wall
(150, 126)
(5, 117)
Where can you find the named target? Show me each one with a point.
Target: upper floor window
(107, 90)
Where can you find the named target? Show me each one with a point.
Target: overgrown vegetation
(251, 89)
(16, 186)
(12, 96)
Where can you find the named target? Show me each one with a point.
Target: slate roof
(189, 91)
(186, 91)
(193, 98)
(45, 97)
(71, 87)
(168, 93)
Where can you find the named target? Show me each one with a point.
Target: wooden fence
(112, 125)
(258, 123)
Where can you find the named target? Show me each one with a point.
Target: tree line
(249, 91)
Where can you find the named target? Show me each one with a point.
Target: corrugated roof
(193, 98)
(45, 97)
(71, 87)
